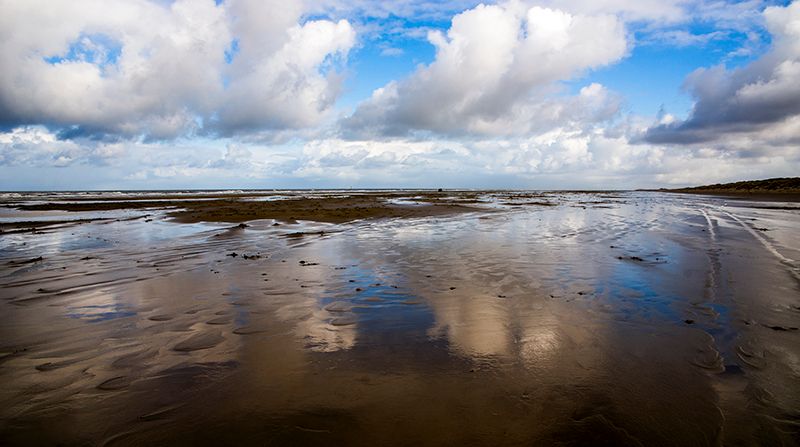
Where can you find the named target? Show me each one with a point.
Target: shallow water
(618, 318)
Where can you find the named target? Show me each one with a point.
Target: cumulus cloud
(276, 79)
(495, 72)
(137, 67)
(757, 99)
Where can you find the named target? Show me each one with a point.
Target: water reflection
(99, 306)
(540, 341)
(474, 326)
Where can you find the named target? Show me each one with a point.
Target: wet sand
(337, 207)
(615, 318)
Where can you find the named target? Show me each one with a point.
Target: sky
(549, 94)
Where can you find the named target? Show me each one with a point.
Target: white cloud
(276, 78)
(35, 146)
(496, 71)
(563, 157)
(134, 67)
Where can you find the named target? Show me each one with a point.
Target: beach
(399, 318)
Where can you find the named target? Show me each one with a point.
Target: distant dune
(787, 185)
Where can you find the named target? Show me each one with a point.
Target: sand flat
(501, 322)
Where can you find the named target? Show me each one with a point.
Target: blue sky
(519, 94)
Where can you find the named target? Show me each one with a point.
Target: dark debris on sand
(238, 208)
(26, 261)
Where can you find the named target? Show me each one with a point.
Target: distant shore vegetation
(781, 185)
